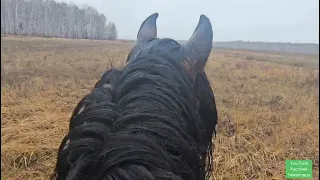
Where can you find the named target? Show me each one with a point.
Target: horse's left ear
(198, 47)
(148, 29)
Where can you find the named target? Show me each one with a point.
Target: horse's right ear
(148, 29)
(199, 47)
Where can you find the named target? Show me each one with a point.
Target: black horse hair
(148, 121)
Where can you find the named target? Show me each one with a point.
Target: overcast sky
(248, 20)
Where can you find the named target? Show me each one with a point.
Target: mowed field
(267, 105)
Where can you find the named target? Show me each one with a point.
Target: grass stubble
(267, 104)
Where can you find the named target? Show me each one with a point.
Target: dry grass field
(267, 104)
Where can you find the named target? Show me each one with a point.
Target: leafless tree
(112, 31)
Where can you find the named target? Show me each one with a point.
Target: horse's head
(193, 56)
(153, 119)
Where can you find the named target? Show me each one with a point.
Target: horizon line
(283, 42)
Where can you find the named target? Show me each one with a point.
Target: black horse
(153, 119)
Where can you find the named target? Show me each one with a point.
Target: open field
(267, 105)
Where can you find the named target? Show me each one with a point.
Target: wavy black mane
(149, 120)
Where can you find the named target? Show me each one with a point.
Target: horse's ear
(199, 46)
(148, 29)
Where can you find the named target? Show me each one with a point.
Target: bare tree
(112, 33)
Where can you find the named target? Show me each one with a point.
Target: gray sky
(248, 20)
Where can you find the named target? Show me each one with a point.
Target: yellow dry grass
(267, 105)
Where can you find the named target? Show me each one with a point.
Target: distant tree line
(303, 48)
(48, 18)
